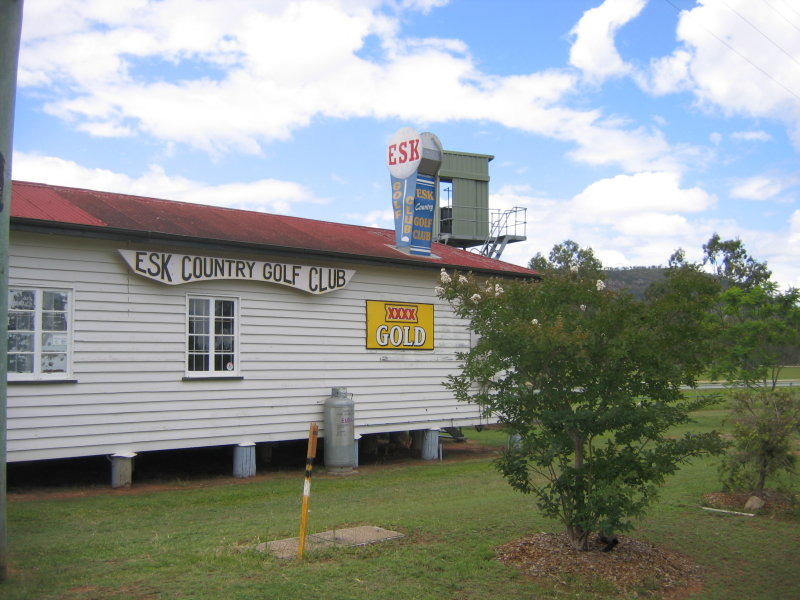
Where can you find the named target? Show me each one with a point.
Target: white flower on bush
(439, 290)
(535, 322)
(583, 308)
(475, 298)
(462, 280)
(498, 290)
(445, 277)
(600, 285)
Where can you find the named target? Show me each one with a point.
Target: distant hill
(633, 279)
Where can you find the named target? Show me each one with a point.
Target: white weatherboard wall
(129, 357)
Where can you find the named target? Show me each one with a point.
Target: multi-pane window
(211, 343)
(39, 328)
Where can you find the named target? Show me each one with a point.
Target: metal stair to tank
(508, 226)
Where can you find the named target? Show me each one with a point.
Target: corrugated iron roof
(57, 206)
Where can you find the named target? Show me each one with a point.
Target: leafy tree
(759, 326)
(732, 263)
(764, 423)
(760, 334)
(568, 256)
(589, 381)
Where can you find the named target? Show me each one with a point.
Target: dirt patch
(91, 592)
(634, 566)
(452, 450)
(776, 504)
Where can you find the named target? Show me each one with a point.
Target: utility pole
(10, 30)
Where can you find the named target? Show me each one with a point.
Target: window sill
(40, 381)
(213, 378)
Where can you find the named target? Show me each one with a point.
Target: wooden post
(313, 432)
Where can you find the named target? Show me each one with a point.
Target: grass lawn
(787, 373)
(790, 373)
(180, 543)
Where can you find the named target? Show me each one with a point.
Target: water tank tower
(464, 217)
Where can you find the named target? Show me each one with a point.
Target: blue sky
(632, 126)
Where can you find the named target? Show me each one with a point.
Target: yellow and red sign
(399, 325)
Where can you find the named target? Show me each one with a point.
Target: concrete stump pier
(425, 443)
(244, 460)
(122, 469)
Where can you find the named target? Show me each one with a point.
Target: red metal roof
(56, 206)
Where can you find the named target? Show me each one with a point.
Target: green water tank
(464, 217)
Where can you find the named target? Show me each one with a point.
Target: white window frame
(38, 334)
(212, 352)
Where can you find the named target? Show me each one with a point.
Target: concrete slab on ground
(350, 536)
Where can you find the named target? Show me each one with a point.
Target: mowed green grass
(787, 373)
(790, 373)
(182, 543)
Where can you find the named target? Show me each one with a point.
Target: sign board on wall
(424, 205)
(175, 269)
(399, 326)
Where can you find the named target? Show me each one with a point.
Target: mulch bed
(634, 566)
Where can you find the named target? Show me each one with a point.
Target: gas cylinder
(339, 432)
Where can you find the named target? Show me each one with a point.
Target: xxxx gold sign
(399, 326)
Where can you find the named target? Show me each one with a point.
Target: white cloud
(264, 74)
(736, 37)
(57, 171)
(760, 187)
(424, 5)
(654, 225)
(641, 193)
(594, 51)
(751, 136)
(780, 248)
(640, 219)
(636, 150)
(106, 129)
(794, 231)
(667, 74)
(628, 220)
(265, 195)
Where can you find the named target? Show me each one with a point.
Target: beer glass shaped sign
(403, 155)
